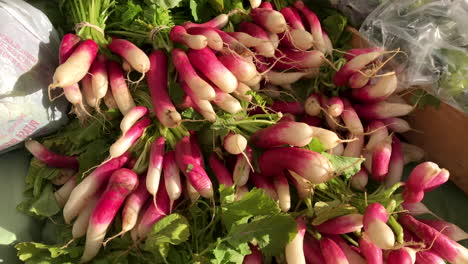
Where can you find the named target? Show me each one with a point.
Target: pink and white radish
(227, 102)
(109, 100)
(127, 140)
(355, 147)
(359, 79)
(266, 48)
(378, 91)
(119, 87)
(284, 78)
(206, 62)
(171, 175)
(202, 106)
(68, 44)
(396, 165)
(157, 84)
(89, 186)
(80, 226)
(131, 53)
(63, 193)
(294, 250)
(282, 189)
(314, 23)
(63, 177)
(132, 117)
(312, 105)
(354, 65)
(50, 158)
(269, 19)
(121, 184)
(421, 175)
(308, 164)
(428, 257)
(378, 133)
(153, 176)
(154, 212)
(99, 77)
(412, 153)
(192, 194)
(341, 224)
(300, 60)
(215, 42)
(242, 167)
(283, 133)
(438, 180)
(234, 143)
(312, 251)
(261, 182)
(352, 255)
(359, 180)
(352, 121)
(295, 108)
(133, 205)
(382, 110)
(332, 253)
(243, 69)
(76, 66)
(441, 244)
(255, 257)
(404, 255)
(397, 125)
(450, 230)
(199, 87)
(328, 138)
(220, 171)
(381, 159)
(371, 252)
(219, 22)
(351, 53)
(242, 92)
(87, 90)
(375, 227)
(246, 39)
(418, 208)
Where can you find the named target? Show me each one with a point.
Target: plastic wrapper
(433, 38)
(355, 10)
(28, 58)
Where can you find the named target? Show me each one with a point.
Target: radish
(418, 208)
(381, 159)
(354, 65)
(154, 211)
(308, 164)
(274, 39)
(266, 5)
(397, 125)
(242, 167)
(87, 89)
(394, 98)
(62, 194)
(153, 177)
(404, 255)
(89, 185)
(312, 251)
(452, 231)
(303, 187)
(206, 62)
(215, 42)
(335, 106)
(312, 105)
(195, 150)
(131, 53)
(259, 181)
(199, 87)
(242, 69)
(246, 39)
(132, 117)
(133, 205)
(438, 180)
(76, 66)
(371, 252)
(242, 92)
(288, 118)
(283, 78)
(382, 110)
(396, 164)
(375, 218)
(328, 138)
(50, 158)
(269, 19)
(332, 253)
(352, 121)
(282, 189)
(314, 23)
(191, 192)
(127, 140)
(359, 180)
(328, 45)
(312, 120)
(255, 257)
(300, 60)
(354, 148)
(412, 153)
(75, 97)
(291, 18)
(428, 257)
(294, 250)
(297, 39)
(121, 184)
(234, 143)
(359, 80)
(266, 49)
(100, 81)
(421, 175)
(232, 44)
(378, 132)
(352, 256)
(68, 44)
(203, 107)
(219, 21)
(109, 100)
(377, 91)
(119, 88)
(241, 192)
(172, 177)
(192, 169)
(221, 173)
(295, 108)
(341, 224)
(441, 244)
(351, 53)
(82, 221)
(254, 83)
(283, 133)
(227, 102)
(63, 177)
(157, 83)
(375, 211)
(126, 67)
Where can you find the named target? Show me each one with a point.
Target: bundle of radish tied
(232, 142)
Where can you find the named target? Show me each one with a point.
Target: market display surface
(217, 132)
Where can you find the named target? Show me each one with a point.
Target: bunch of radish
(217, 68)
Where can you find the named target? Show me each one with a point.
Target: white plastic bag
(433, 34)
(28, 58)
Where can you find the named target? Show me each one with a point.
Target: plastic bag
(433, 34)
(355, 10)
(28, 58)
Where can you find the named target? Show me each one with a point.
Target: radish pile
(157, 167)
